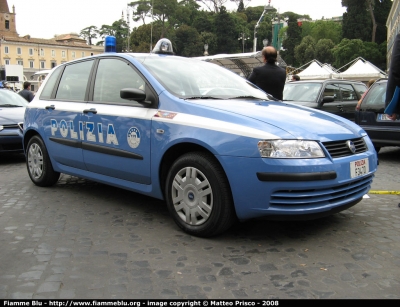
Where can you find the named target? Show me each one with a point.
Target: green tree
(356, 21)
(119, 29)
(348, 50)
(188, 42)
(211, 40)
(141, 9)
(374, 54)
(293, 38)
(305, 51)
(323, 50)
(322, 29)
(141, 37)
(89, 33)
(381, 12)
(226, 32)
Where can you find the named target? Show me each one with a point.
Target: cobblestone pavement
(80, 240)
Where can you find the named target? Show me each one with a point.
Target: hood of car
(297, 121)
(10, 116)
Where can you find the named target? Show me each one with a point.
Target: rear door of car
(64, 99)
(331, 90)
(382, 130)
(349, 100)
(345, 99)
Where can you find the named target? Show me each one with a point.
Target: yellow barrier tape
(384, 192)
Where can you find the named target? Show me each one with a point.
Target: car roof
(327, 80)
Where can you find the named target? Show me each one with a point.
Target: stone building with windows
(36, 54)
(393, 28)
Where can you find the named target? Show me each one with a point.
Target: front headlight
(294, 149)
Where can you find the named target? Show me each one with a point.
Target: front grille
(339, 149)
(321, 197)
(19, 126)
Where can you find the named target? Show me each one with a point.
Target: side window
(348, 92)
(112, 76)
(74, 81)
(332, 90)
(48, 89)
(360, 89)
(375, 98)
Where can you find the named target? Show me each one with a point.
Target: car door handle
(94, 111)
(52, 107)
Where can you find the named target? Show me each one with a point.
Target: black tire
(183, 195)
(38, 163)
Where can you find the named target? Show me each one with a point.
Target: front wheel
(38, 163)
(198, 195)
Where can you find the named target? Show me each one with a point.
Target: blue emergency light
(110, 44)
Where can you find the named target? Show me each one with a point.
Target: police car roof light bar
(110, 44)
(163, 46)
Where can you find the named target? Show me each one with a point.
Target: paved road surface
(80, 239)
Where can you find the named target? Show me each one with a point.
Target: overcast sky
(46, 18)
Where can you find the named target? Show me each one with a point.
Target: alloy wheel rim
(35, 161)
(192, 196)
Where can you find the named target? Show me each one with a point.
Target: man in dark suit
(394, 76)
(269, 77)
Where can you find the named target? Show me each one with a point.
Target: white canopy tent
(316, 71)
(361, 70)
(240, 63)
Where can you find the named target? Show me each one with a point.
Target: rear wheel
(198, 195)
(38, 163)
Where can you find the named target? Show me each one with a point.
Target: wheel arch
(178, 150)
(27, 136)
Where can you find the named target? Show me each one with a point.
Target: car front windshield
(306, 92)
(9, 99)
(195, 79)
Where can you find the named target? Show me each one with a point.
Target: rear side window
(48, 89)
(74, 81)
(348, 92)
(332, 90)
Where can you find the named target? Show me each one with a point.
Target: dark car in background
(369, 115)
(339, 97)
(12, 109)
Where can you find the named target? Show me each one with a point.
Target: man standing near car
(394, 77)
(26, 92)
(270, 77)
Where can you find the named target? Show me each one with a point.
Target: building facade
(393, 28)
(36, 54)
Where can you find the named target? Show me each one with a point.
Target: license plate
(359, 168)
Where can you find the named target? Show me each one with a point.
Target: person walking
(394, 78)
(270, 77)
(26, 92)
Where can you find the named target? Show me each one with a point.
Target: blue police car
(212, 145)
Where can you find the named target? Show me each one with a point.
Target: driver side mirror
(328, 99)
(133, 94)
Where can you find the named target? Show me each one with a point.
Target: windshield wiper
(202, 97)
(8, 105)
(287, 100)
(251, 97)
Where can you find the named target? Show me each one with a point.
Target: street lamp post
(243, 36)
(266, 8)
